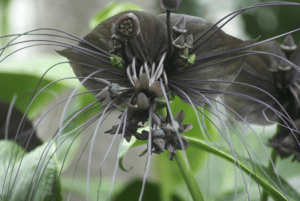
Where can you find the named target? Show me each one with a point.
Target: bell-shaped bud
(284, 66)
(189, 41)
(170, 4)
(158, 133)
(160, 144)
(288, 44)
(126, 28)
(179, 43)
(179, 27)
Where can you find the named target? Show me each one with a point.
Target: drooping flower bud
(189, 41)
(126, 28)
(288, 44)
(170, 4)
(180, 26)
(179, 43)
(284, 66)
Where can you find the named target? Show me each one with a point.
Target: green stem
(264, 195)
(188, 177)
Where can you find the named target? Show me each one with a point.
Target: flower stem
(188, 177)
(264, 195)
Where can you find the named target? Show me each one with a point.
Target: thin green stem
(264, 195)
(188, 177)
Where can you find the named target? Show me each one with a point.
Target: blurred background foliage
(20, 74)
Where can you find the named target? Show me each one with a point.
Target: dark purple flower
(146, 58)
(269, 93)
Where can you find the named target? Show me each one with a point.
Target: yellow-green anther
(116, 61)
(192, 59)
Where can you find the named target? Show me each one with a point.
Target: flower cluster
(267, 91)
(138, 60)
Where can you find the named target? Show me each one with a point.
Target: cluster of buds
(164, 133)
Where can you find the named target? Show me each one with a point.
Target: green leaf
(112, 9)
(231, 195)
(77, 187)
(269, 182)
(21, 79)
(20, 188)
(132, 191)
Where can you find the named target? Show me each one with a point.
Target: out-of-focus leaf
(14, 122)
(232, 195)
(269, 182)
(20, 188)
(132, 191)
(112, 9)
(78, 187)
(21, 78)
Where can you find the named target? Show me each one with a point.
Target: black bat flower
(135, 62)
(268, 92)
(135, 54)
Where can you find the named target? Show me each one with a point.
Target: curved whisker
(236, 13)
(57, 30)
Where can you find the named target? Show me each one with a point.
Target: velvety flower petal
(155, 89)
(82, 70)
(160, 143)
(142, 101)
(179, 117)
(144, 82)
(194, 75)
(185, 143)
(149, 45)
(185, 127)
(257, 71)
(286, 144)
(172, 151)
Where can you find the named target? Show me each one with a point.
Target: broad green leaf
(17, 181)
(21, 78)
(77, 187)
(112, 9)
(132, 191)
(231, 195)
(269, 182)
